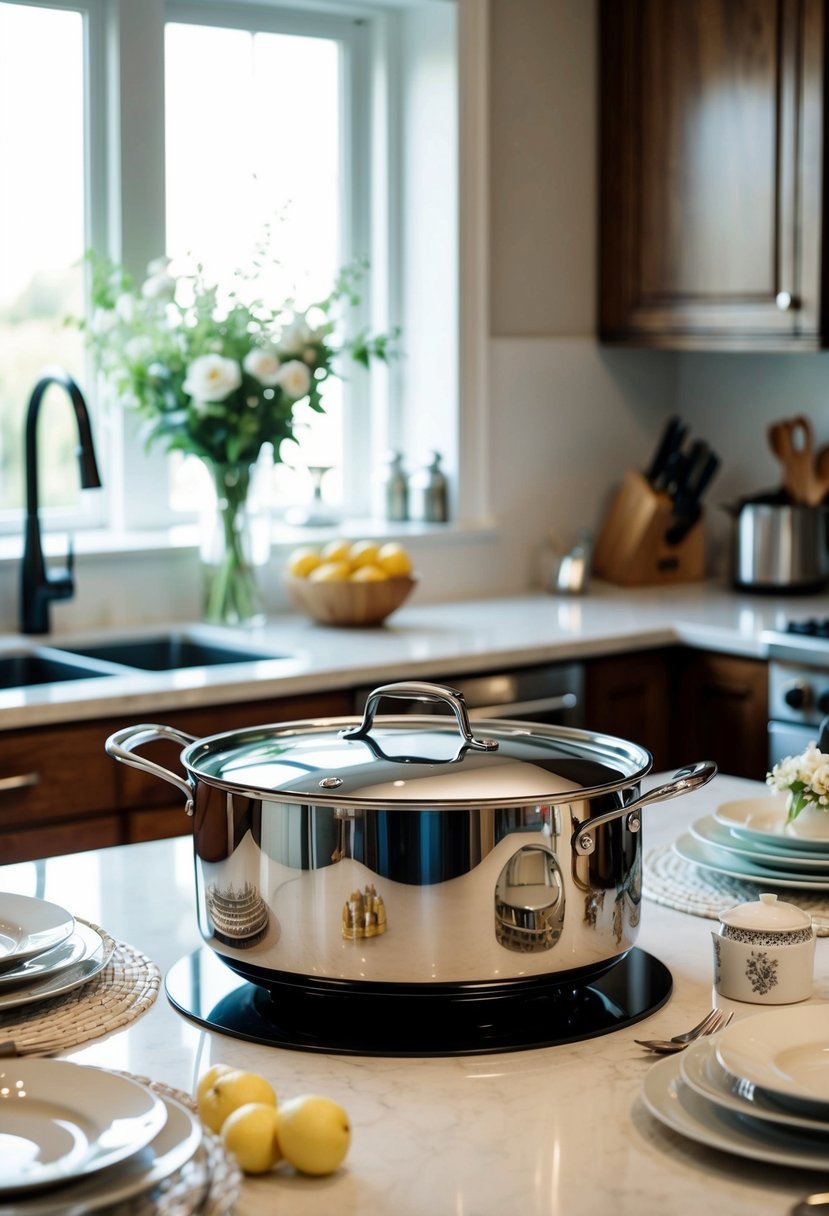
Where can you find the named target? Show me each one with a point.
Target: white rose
(820, 777)
(104, 321)
(125, 307)
(158, 266)
(138, 349)
(263, 365)
(159, 287)
(294, 378)
(212, 378)
(296, 336)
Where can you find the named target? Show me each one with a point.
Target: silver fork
(715, 1020)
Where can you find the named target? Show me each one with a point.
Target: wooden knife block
(632, 549)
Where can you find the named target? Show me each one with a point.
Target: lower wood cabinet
(61, 793)
(720, 711)
(684, 705)
(628, 695)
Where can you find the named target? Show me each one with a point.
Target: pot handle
(419, 690)
(684, 780)
(122, 744)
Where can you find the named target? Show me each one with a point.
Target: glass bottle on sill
(394, 489)
(428, 493)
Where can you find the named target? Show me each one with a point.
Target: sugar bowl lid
(768, 914)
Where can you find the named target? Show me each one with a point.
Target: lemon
(229, 1091)
(250, 1134)
(206, 1079)
(368, 574)
(363, 553)
(394, 559)
(330, 572)
(314, 1133)
(335, 551)
(303, 561)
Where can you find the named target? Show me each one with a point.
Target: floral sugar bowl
(764, 953)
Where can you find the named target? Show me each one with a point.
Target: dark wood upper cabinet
(712, 213)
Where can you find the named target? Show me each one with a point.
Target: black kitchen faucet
(38, 585)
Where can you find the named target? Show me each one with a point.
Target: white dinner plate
(708, 857)
(764, 820)
(700, 1068)
(675, 1104)
(172, 1148)
(61, 1121)
(95, 957)
(710, 831)
(50, 963)
(783, 1051)
(28, 926)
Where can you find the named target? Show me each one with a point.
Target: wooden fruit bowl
(344, 603)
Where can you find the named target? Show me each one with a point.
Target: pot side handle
(684, 780)
(122, 743)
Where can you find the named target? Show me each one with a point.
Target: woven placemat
(124, 989)
(208, 1184)
(670, 880)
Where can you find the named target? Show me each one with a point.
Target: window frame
(123, 224)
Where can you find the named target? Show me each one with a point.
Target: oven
(549, 692)
(798, 685)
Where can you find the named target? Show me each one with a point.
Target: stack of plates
(77, 1138)
(44, 951)
(759, 1088)
(748, 838)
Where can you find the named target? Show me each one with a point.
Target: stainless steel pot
(405, 850)
(780, 546)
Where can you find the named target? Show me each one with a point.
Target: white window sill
(104, 543)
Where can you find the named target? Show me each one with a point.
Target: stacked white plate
(44, 951)
(758, 1089)
(76, 1138)
(750, 839)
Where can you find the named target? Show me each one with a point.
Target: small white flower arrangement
(216, 371)
(805, 778)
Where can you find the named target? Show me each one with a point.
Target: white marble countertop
(560, 1130)
(418, 641)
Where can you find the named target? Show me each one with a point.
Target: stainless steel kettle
(779, 545)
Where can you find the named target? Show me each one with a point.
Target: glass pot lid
(433, 760)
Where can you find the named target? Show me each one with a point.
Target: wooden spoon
(791, 441)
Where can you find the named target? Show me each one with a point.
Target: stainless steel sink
(26, 670)
(166, 653)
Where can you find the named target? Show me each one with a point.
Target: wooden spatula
(792, 443)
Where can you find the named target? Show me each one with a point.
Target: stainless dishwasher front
(551, 693)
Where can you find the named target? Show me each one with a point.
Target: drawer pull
(19, 782)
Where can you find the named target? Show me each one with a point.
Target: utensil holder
(633, 548)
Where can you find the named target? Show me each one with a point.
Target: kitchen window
(165, 128)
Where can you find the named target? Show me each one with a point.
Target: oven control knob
(797, 696)
(823, 701)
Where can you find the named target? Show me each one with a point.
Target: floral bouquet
(805, 778)
(217, 373)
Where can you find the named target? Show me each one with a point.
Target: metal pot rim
(353, 763)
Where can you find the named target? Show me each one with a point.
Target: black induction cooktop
(419, 1019)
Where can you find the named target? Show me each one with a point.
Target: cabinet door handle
(19, 782)
(785, 301)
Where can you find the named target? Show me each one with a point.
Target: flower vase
(812, 823)
(231, 591)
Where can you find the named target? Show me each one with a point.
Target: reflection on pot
(240, 918)
(529, 901)
(364, 914)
